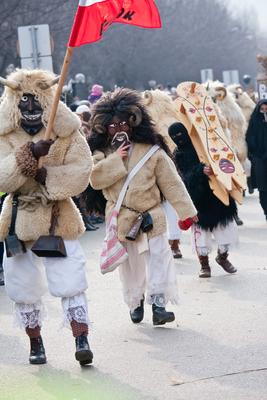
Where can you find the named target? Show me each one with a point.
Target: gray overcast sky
(260, 6)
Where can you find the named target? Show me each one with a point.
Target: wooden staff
(63, 74)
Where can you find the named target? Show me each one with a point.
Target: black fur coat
(211, 211)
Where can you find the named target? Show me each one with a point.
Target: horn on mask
(222, 90)
(148, 97)
(239, 90)
(11, 84)
(44, 85)
(136, 117)
(98, 123)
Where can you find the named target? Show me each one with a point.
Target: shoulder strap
(132, 174)
(15, 203)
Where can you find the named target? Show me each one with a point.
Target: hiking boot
(161, 316)
(205, 271)
(222, 260)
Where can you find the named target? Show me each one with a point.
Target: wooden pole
(63, 75)
(52, 116)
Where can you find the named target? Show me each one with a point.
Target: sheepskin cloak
(68, 163)
(157, 178)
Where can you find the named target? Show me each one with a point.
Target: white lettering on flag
(85, 3)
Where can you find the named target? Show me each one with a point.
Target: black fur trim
(211, 211)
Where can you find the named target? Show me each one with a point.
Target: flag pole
(63, 75)
(52, 116)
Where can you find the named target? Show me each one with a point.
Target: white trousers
(151, 272)
(174, 232)
(27, 278)
(225, 237)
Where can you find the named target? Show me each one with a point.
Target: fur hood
(234, 116)
(227, 104)
(162, 111)
(40, 84)
(246, 104)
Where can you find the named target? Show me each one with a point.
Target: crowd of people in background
(96, 150)
(243, 128)
(255, 137)
(244, 101)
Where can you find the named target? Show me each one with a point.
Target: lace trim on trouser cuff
(133, 297)
(158, 299)
(223, 248)
(167, 292)
(204, 251)
(78, 314)
(75, 309)
(29, 315)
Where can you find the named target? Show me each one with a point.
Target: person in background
(256, 138)
(96, 93)
(2, 282)
(84, 114)
(89, 216)
(215, 218)
(174, 232)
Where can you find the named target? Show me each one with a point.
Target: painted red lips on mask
(226, 166)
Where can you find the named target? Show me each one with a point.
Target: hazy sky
(260, 6)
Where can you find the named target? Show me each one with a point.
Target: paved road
(216, 349)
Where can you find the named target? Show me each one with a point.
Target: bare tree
(196, 34)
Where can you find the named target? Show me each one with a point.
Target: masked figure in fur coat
(24, 111)
(163, 112)
(257, 148)
(149, 267)
(215, 218)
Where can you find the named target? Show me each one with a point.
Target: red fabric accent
(186, 224)
(33, 333)
(78, 329)
(93, 19)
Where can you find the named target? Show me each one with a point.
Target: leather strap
(15, 203)
(54, 219)
(132, 174)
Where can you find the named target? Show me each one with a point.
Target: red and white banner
(93, 17)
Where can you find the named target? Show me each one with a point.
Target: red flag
(93, 17)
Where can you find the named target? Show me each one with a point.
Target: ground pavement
(216, 349)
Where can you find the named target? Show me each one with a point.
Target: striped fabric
(113, 253)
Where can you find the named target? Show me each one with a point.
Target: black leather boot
(83, 352)
(161, 316)
(137, 315)
(37, 354)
